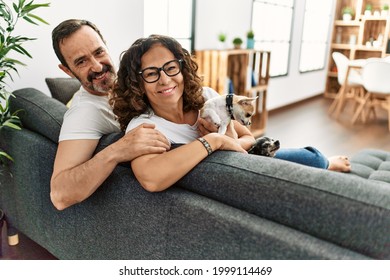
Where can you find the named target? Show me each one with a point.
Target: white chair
(375, 77)
(350, 82)
(386, 58)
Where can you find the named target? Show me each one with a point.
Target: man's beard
(101, 86)
(105, 85)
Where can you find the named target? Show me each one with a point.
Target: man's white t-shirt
(175, 133)
(89, 117)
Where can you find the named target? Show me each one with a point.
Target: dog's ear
(247, 101)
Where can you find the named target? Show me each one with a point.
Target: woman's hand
(236, 132)
(205, 127)
(223, 142)
(231, 132)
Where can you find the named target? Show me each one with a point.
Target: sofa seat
(372, 164)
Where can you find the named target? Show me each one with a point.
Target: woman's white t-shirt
(175, 133)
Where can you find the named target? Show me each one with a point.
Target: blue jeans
(307, 156)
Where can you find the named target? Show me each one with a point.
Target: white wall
(121, 22)
(232, 17)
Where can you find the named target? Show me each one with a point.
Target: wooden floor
(25, 250)
(303, 124)
(309, 124)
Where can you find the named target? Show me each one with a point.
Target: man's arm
(77, 174)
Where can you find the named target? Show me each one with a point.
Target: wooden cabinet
(244, 72)
(366, 35)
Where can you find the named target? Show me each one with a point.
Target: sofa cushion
(372, 164)
(39, 112)
(63, 89)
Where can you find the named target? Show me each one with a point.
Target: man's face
(88, 60)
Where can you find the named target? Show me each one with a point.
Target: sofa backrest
(39, 112)
(44, 115)
(63, 89)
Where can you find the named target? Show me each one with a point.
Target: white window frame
(315, 35)
(173, 18)
(271, 35)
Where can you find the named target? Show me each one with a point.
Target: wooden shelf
(384, 18)
(237, 68)
(356, 23)
(343, 46)
(360, 30)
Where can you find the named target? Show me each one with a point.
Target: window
(315, 34)
(172, 18)
(271, 23)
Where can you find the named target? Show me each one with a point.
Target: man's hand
(143, 139)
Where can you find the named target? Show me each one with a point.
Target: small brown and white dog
(220, 110)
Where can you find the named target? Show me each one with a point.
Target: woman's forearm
(157, 172)
(244, 136)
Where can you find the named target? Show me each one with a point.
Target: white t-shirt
(89, 117)
(176, 133)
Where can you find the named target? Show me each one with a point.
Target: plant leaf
(26, 18)
(29, 7)
(21, 50)
(4, 154)
(38, 18)
(11, 125)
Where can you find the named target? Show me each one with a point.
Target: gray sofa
(271, 209)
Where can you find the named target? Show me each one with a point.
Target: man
(77, 173)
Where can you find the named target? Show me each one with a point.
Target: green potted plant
(237, 42)
(368, 10)
(385, 10)
(222, 39)
(347, 13)
(250, 39)
(11, 44)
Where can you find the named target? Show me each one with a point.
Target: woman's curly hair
(128, 97)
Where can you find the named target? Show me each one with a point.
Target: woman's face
(167, 90)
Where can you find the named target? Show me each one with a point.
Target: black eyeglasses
(152, 74)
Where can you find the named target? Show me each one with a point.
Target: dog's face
(265, 146)
(243, 109)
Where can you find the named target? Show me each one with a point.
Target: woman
(158, 83)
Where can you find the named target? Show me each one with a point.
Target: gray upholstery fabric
(62, 89)
(230, 206)
(372, 164)
(123, 221)
(341, 208)
(39, 112)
